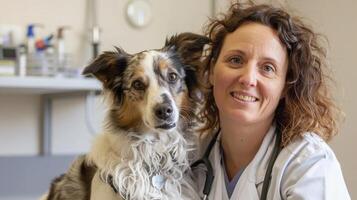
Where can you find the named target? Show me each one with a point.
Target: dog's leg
(102, 191)
(75, 184)
(44, 197)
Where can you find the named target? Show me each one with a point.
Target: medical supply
(43, 62)
(95, 40)
(61, 50)
(8, 56)
(21, 61)
(43, 43)
(30, 39)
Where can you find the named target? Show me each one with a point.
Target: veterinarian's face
(249, 75)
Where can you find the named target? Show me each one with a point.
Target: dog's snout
(164, 111)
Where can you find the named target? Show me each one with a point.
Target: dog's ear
(108, 66)
(189, 47)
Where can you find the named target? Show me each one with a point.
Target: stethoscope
(210, 175)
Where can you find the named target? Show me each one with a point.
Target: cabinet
(31, 175)
(49, 88)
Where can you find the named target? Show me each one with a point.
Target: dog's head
(154, 89)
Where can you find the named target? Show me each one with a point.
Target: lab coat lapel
(254, 173)
(218, 188)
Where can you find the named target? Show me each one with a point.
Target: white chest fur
(143, 167)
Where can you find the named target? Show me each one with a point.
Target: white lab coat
(305, 169)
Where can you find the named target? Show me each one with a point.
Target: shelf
(49, 88)
(47, 85)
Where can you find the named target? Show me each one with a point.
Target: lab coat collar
(255, 171)
(259, 164)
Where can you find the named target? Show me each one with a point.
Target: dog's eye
(138, 85)
(172, 77)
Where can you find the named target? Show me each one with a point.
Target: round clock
(139, 13)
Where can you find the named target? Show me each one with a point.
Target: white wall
(19, 124)
(169, 17)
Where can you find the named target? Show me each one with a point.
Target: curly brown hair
(307, 105)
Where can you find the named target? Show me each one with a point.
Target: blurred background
(49, 113)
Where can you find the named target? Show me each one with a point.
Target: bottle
(30, 39)
(61, 50)
(50, 65)
(21, 61)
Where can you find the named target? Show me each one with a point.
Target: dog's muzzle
(164, 111)
(165, 115)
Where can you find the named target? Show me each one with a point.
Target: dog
(149, 140)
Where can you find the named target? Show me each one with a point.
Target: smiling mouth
(244, 98)
(166, 126)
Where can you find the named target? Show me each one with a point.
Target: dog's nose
(163, 111)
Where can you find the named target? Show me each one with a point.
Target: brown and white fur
(152, 98)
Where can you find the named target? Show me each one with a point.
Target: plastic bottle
(22, 58)
(30, 39)
(61, 50)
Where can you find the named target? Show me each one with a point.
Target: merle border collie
(148, 140)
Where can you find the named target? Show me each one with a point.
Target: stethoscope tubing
(273, 157)
(205, 161)
(210, 174)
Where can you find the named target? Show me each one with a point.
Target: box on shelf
(8, 61)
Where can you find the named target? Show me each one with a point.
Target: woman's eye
(138, 85)
(235, 60)
(172, 77)
(268, 68)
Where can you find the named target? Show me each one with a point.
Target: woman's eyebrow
(236, 51)
(266, 58)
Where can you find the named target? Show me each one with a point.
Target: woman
(267, 87)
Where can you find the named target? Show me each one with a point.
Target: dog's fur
(152, 98)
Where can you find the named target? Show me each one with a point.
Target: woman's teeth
(244, 97)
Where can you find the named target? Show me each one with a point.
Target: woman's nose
(248, 76)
